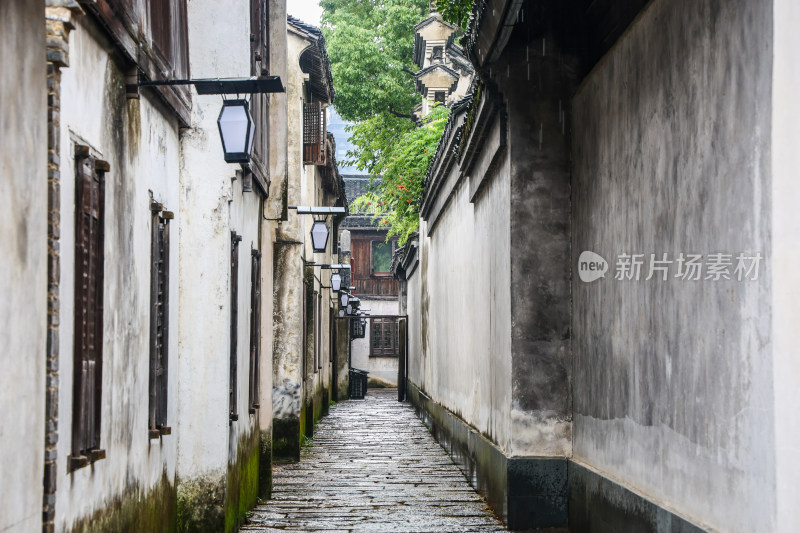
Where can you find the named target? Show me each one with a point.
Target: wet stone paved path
(372, 467)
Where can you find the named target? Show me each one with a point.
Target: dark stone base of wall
(525, 492)
(600, 505)
(265, 465)
(286, 438)
(543, 494)
(326, 402)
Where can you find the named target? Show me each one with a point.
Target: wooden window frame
(372, 257)
(255, 328)
(233, 412)
(381, 323)
(357, 330)
(159, 321)
(317, 332)
(88, 326)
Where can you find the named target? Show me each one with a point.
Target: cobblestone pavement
(372, 467)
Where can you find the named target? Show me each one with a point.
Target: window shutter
(169, 34)
(255, 327)
(159, 321)
(235, 240)
(88, 334)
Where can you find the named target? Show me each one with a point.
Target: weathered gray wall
(23, 267)
(673, 379)
(539, 144)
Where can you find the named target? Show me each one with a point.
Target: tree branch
(400, 115)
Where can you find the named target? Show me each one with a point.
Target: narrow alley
(565, 232)
(372, 466)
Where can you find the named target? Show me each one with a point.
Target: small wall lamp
(236, 126)
(319, 230)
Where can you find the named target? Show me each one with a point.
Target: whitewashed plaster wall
(140, 141)
(23, 267)
(213, 204)
(785, 258)
(460, 341)
(383, 368)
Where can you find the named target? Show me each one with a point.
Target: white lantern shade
(236, 128)
(344, 298)
(319, 236)
(341, 313)
(336, 282)
(349, 309)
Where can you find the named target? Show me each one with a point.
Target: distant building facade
(375, 345)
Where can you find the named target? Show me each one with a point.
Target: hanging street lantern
(344, 298)
(349, 309)
(237, 129)
(319, 236)
(336, 282)
(341, 313)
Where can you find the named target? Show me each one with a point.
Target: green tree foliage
(370, 45)
(455, 11)
(394, 200)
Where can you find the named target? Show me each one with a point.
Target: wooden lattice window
(88, 332)
(232, 408)
(383, 337)
(357, 329)
(255, 327)
(313, 134)
(159, 320)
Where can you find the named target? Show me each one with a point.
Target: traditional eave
(356, 185)
(438, 180)
(314, 60)
(333, 182)
(424, 77)
(405, 260)
(456, 55)
(488, 30)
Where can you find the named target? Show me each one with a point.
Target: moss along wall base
(135, 511)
